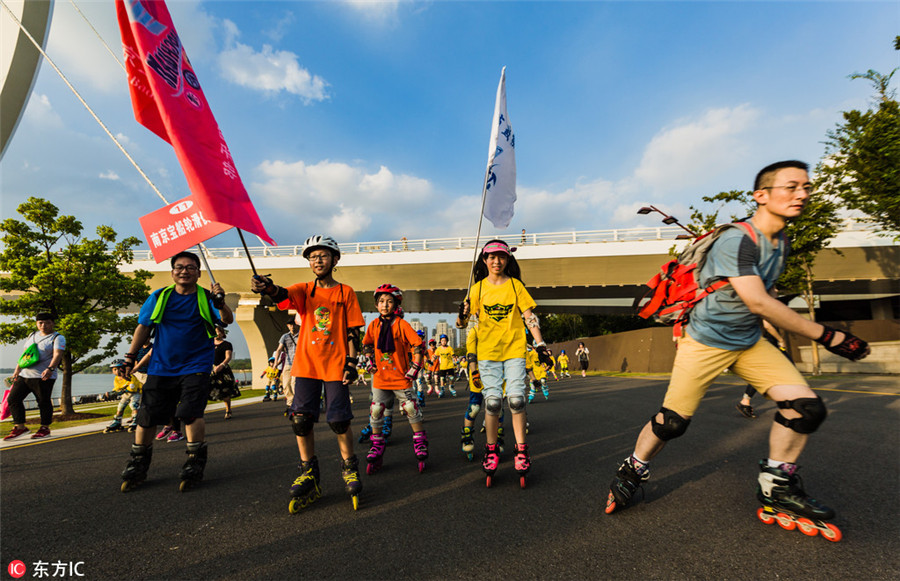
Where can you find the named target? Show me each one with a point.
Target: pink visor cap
(493, 247)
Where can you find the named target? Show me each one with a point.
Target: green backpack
(29, 357)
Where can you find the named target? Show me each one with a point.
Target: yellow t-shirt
(446, 355)
(563, 361)
(272, 373)
(534, 364)
(132, 385)
(499, 308)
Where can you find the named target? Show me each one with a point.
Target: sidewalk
(99, 426)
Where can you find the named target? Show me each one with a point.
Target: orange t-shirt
(391, 368)
(431, 354)
(322, 343)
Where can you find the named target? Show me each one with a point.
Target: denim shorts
(493, 373)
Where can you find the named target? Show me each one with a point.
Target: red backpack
(673, 292)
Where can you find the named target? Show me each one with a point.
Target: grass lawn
(92, 413)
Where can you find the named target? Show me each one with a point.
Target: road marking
(854, 391)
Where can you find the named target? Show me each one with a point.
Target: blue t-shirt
(181, 345)
(722, 320)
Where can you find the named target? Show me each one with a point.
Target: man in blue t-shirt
(183, 317)
(724, 332)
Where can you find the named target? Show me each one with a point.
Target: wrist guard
(852, 347)
(350, 373)
(543, 356)
(413, 372)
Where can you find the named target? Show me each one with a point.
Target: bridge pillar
(262, 326)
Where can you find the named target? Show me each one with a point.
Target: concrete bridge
(598, 271)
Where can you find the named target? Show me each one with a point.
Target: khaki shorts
(696, 366)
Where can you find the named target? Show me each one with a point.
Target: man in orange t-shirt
(325, 359)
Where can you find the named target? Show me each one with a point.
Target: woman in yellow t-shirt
(503, 308)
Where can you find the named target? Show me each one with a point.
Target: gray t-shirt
(288, 344)
(722, 320)
(45, 345)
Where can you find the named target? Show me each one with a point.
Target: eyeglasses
(318, 257)
(188, 268)
(792, 188)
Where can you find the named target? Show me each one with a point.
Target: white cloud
(345, 198)
(691, 152)
(40, 113)
(109, 175)
(280, 28)
(376, 11)
(268, 70)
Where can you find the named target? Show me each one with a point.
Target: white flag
(500, 184)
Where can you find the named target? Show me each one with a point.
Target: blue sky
(370, 121)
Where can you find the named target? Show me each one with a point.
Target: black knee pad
(302, 424)
(672, 426)
(517, 404)
(339, 427)
(813, 413)
(493, 405)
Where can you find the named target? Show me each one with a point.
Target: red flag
(177, 227)
(168, 101)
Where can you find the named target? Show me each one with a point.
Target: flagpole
(247, 252)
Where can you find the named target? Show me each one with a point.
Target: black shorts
(179, 396)
(446, 372)
(308, 399)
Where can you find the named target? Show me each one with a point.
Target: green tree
(49, 266)
(862, 166)
(808, 234)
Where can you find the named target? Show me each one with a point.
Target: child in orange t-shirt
(390, 338)
(434, 365)
(326, 359)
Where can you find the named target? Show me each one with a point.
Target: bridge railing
(462, 242)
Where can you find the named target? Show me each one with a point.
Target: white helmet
(319, 241)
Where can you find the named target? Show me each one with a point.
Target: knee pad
(376, 411)
(813, 413)
(475, 401)
(339, 427)
(302, 424)
(671, 427)
(516, 404)
(493, 405)
(410, 407)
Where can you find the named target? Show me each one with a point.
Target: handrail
(468, 242)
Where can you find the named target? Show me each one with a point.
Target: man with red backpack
(724, 330)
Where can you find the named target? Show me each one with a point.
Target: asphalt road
(61, 502)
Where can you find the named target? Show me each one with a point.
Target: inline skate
(467, 442)
(365, 433)
(624, 486)
(785, 501)
(350, 474)
(500, 442)
(192, 470)
(115, 426)
(388, 426)
(545, 389)
(305, 489)
(420, 446)
(490, 462)
(136, 470)
(376, 454)
(522, 462)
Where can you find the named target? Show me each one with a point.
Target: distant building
(443, 328)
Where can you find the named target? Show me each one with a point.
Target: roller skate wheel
(488, 482)
(767, 517)
(470, 456)
(184, 486)
(807, 527)
(832, 533)
(370, 469)
(611, 504)
(355, 500)
(295, 505)
(126, 486)
(421, 466)
(785, 522)
(522, 481)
